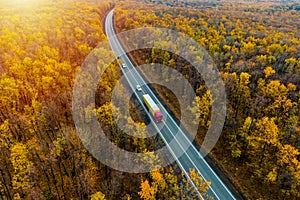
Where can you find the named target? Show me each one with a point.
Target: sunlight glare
(21, 3)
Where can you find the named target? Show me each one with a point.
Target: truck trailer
(153, 108)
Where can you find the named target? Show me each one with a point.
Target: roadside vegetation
(42, 46)
(255, 46)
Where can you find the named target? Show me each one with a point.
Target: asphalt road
(191, 158)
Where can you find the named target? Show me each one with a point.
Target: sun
(22, 3)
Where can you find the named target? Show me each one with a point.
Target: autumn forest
(254, 44)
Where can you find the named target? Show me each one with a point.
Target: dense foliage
(256, 48)
(42, 46)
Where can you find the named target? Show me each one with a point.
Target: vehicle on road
(153, 108)
(138, 88)
(123, 65)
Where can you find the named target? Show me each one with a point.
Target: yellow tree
(188, 191)
(200, 110)
(6, 141)
(98, 196)
(162, 186)
(21, 166)
(263, 144)
(105, 114)
(9, 100)
(269, 71)
(147, 192)
(238, 141)
(278, 105)
(242, 94)
(6, 138)
(287, 169)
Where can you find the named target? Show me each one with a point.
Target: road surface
(191, 158)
